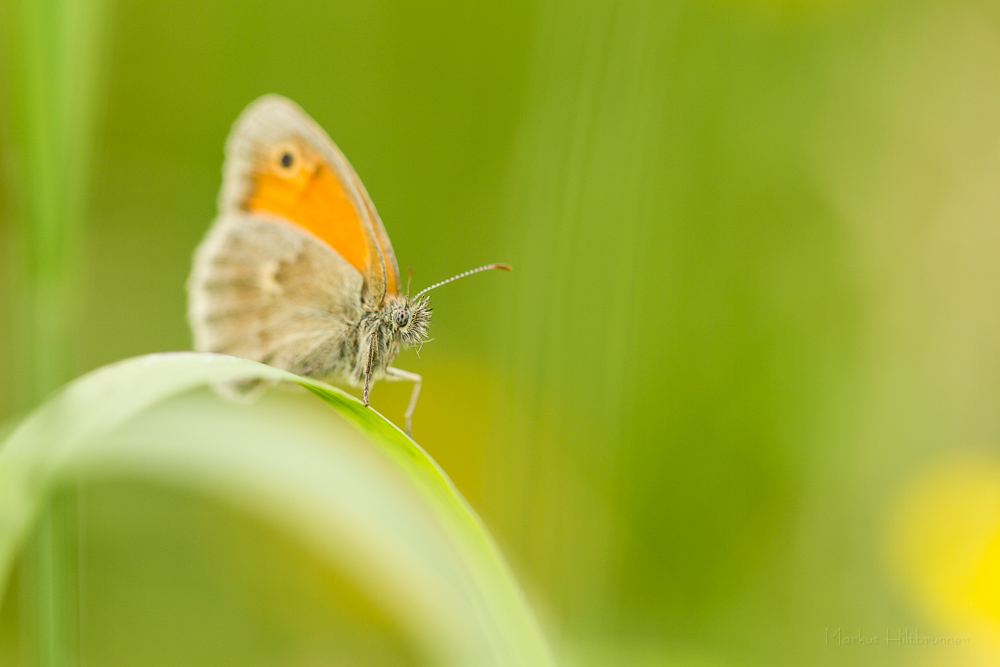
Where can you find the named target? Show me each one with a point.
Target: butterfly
(297, 270)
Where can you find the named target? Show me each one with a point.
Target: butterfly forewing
(280, 163)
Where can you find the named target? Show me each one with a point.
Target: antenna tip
(502, 267)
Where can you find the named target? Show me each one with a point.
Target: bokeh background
(740, 393)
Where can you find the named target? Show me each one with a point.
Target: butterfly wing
(297, 250)
(280, 163)
(262, 290)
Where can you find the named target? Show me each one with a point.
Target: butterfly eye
(402, 318)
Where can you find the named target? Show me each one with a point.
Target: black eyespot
(402, 318)
(286, 160)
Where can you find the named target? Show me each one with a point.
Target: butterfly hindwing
(262, 290)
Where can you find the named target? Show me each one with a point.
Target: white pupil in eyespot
(286, 160)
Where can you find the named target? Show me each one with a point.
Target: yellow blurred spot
(944, 547)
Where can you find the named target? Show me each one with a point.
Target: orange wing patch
(306, 192)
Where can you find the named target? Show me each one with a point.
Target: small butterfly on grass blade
(297, 270)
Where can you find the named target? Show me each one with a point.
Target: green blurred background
(755, 295)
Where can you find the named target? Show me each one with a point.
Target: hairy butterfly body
(297, 270)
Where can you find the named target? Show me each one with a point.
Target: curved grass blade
(345, 481)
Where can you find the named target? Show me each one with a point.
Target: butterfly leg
(397, 374)
(368, 369)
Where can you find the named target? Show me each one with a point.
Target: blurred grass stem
(54, 47)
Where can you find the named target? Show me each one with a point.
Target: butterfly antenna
(409, 279)
(502, 267)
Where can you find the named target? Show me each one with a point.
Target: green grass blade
(55, 49)
(345, 481)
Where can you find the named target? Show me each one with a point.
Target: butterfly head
(408, 319)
